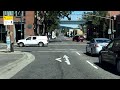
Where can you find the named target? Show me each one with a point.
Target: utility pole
(44, 18)
(110, 31)
(35, 22)
(21, 23)
(8, 20)
(113, 18)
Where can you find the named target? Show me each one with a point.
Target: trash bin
(12, 47)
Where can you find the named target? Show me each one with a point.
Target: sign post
(8, 20)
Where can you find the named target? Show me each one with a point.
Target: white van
(33, 40)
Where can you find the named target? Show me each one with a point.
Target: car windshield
(102, 41)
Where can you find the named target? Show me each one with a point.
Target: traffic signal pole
(111, 24)
(21, 24)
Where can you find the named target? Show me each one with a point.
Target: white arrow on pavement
(58, 59)
(66, 59)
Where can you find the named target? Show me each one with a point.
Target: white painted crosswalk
(67, 44)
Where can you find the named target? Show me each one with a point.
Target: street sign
(8, 20)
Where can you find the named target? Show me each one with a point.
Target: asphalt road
(64, 60)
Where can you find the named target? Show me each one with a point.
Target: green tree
(101, 23)
(86, 16)
(52, 19)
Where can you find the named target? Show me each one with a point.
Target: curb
(13, 64)
(13, 68)
(4, 51)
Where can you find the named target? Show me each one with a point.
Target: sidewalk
(12, 62)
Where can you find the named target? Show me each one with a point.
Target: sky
(74, 16)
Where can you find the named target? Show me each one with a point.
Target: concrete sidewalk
(13, 62)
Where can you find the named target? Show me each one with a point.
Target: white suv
(33, 40)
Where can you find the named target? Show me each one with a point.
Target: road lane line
(62, 49)
(78, 53)
(92, 65)
(72, 49)
(66, 59)
(66, 44)
(50, 51)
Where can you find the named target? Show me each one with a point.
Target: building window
(5, 13)
(29, 38)
(1, 13)
(34, 38)
(18, 13)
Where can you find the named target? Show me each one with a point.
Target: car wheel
(41, 44)
(118, 66)
(21, 44)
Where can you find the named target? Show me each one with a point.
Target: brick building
(113, 13)
(22, 20)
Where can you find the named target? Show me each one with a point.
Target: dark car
(111, 54)
(78, 38)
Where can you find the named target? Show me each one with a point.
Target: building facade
(23, 25)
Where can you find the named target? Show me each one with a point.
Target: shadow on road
(108, 67)
(88, 54)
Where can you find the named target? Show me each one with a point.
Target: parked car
(96, 44)
(81, 38)
(33, 40)
(111, 54)
(78, 38)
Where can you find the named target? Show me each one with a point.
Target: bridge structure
(72, 22)
(78, 22)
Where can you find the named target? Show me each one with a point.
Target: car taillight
(96, 45)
